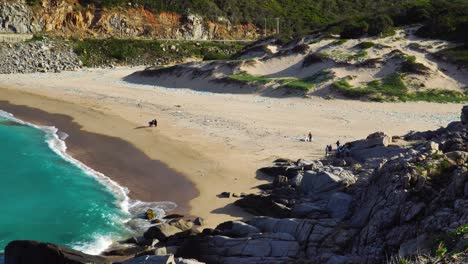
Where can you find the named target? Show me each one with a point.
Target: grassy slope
(303, 84)
(127, 51)
(393, 88)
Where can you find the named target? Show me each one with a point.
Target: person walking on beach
(310, 137)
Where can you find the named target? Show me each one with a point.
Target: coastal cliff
(70, 18)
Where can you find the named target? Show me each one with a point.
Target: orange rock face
(69, 18)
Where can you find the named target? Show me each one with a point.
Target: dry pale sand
(216, 140)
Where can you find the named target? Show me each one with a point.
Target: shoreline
(151, 180)
(212, 139)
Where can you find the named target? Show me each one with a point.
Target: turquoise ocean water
(47, 196)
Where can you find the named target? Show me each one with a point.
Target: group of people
(341, 150)
(153, 122)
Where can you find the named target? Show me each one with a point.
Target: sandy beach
(205, 143)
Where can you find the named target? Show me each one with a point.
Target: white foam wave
(95, 247)
(128, 206)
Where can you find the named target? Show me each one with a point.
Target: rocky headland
(384, 200)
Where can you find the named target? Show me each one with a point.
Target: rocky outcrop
(464, 115)
(355, 214)
(69, 18)
(38, 56)
(17, 17)
(26, 252)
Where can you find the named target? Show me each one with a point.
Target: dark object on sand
(153, 122)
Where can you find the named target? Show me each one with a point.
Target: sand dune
(360, 61)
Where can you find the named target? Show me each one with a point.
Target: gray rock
(418, 246)
(238, 228)
(325, 181)
(298, 228)
(304, 209)
(464, 115)
(374, 140)
(335, 259)
(25, 252)
(339, 205)
(264, 245)
(457, 157)
(161, 232)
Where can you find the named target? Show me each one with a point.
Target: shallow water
(46, 196)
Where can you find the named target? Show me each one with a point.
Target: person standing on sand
(338, 144)
(153, 122)
(310, 137)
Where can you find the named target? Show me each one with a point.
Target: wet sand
(147, 179)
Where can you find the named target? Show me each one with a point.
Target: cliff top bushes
(353, 18)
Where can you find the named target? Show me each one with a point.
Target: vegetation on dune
(127, 51)
(393, 88)
(458, 55)
(345, 57)
(303, 84)
(365, 45)
(410, 65)
(308, 82)
(248, 78)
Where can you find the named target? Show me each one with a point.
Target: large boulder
(161, 232)
(305, 209)
(298, 228)
(263, 205)
(339, 205)
(464, 115)
(223, 248)
(237, 229)
(374, 140)
(27, 252)
(326, 180)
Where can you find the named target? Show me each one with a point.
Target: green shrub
(245, 77)
(339, 42)
(95, 52)
(380, 25)
(458, 55)
(365, 45)
(441, 250)
(308, 82)
(393, 88)
(354, 29)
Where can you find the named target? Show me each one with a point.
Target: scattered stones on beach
(224, 195)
